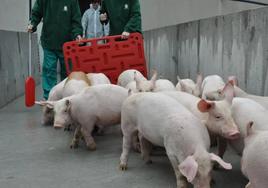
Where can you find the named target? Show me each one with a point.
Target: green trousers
(49, 69)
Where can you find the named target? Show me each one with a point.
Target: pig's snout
(233, 135)
(58, 126)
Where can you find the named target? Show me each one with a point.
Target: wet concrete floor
(36, 156)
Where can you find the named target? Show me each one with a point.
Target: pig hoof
(212, 182)
(92, 147)
(149, 161)
(123, 167)
(68, 128)
(74, 145)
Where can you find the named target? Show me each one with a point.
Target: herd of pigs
(184, 119)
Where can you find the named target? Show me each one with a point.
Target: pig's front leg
(76, 137)
(222, 146)
(146, 148)
(181, 180)
(221, 150)
(125, 151)
(86, 130)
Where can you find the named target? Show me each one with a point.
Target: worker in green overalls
(123, 15)
(61, 23)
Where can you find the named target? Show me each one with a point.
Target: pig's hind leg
(77, 135)
(128, 130)
(86, 130)
(125, 152)
(146, 148)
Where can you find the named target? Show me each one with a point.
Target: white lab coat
(92, 27)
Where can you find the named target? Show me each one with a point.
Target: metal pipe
(252, 2)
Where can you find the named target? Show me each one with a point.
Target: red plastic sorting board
(110, 57)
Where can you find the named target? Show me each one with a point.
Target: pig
(254, 161)
(98, 105)
(163, 121)
(262, 100)
(243, 111)
(140, 85)
(238, 92)
(73, 84)
(98, 78)
(54, 94)
(163, 85)
(211, 87)
(188, 85)
(216, 115)
(127, 76)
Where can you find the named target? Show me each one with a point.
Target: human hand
(103, 17)
(78, 38)
(125, 35)
(30, 28)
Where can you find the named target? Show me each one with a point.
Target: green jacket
(61, 21)
(123, 15)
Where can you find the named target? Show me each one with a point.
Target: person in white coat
(92, 27)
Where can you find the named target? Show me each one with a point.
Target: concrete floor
(35, 156)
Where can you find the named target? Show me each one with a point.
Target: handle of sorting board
(106, 39)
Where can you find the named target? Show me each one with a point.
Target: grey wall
(235, 44)
(14, 64)
(14, 15)
(162, 13)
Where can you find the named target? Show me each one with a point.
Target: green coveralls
(123, 15)
(61, 23)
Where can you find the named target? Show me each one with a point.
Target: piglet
(127, 76)
(98, 105)
(188, 85)
(255, 160)
(163, 121)
(211, 87)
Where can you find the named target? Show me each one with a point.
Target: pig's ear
(178, 78)
(183, 86)
(49, 104)
(228, 92)
(68, 105)
(250, 130)
(154, 77)
(205, 106)
(233, 80)
(137, 80)
(199, 79)
(188, 168)
(216, 158)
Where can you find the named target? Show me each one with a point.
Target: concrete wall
(14, 64)
(162, 13)
(14, 15)
(235, 44)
